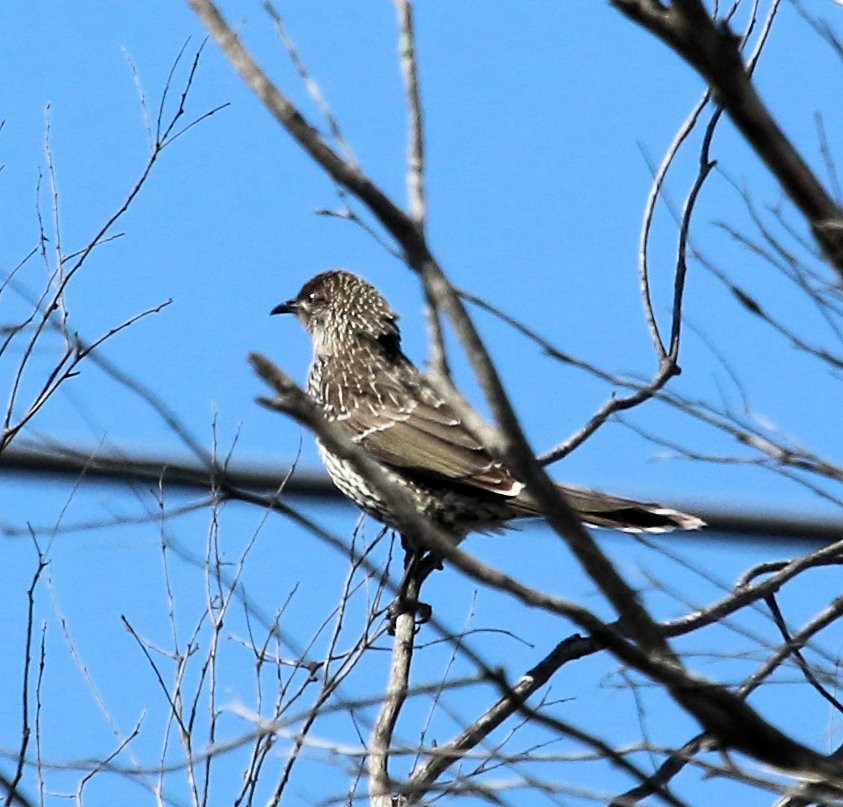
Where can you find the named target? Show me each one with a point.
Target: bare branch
(310, 83)
(380, 785)
(415, 147)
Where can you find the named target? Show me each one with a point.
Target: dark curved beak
(290, 307)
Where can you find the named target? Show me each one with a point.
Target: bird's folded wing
(429, 439)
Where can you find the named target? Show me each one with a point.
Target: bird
(373, 394)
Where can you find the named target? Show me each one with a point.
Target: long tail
(602, 510)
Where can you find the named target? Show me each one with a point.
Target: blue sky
(540, 122)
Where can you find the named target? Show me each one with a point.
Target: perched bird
(383, 402)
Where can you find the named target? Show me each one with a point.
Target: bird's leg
(418, 564)
(423, 560)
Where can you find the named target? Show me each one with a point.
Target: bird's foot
(421, 611)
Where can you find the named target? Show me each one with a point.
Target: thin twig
(310, 83)
(415, 144)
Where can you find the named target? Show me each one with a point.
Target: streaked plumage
(364, 383)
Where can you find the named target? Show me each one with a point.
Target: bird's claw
(421, 611)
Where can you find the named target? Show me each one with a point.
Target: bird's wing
(421, 433)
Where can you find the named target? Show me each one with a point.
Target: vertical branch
(437, 356)
(655, 194)
(57, 277)
(380, 788)
(26, 721)
(706, 164)
(437, 359)
(415, 145)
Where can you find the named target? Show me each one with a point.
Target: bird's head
(340, 309)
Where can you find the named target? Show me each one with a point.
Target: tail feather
(602, 510)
